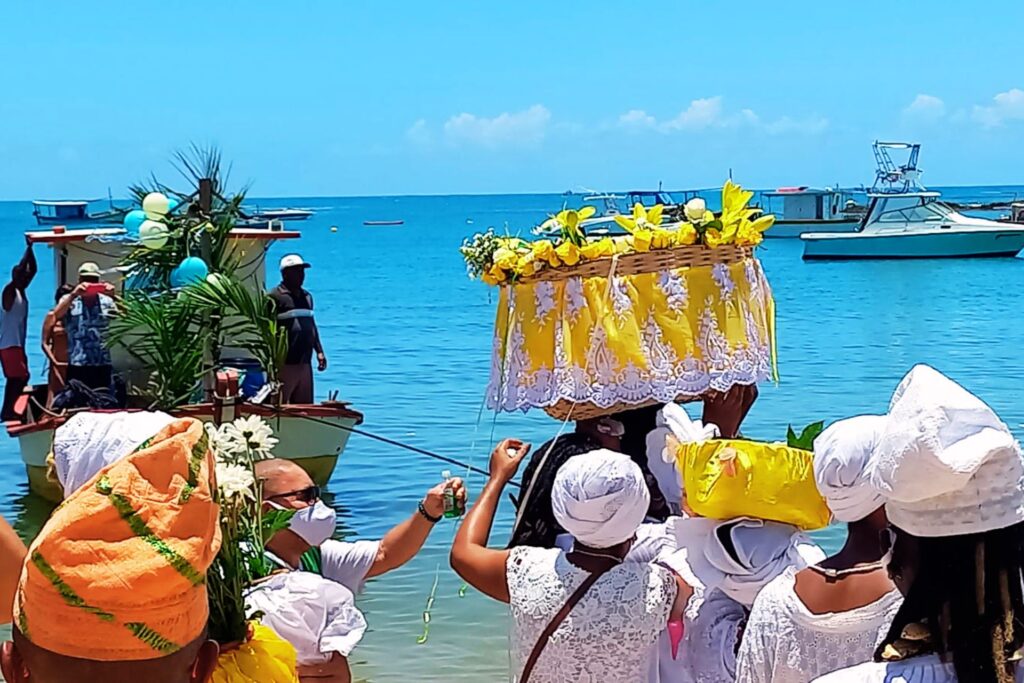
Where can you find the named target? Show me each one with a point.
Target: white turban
(760, 551)
(842, 455)
(316, 615)
(946, 464)
(88, 442)
(600, 498)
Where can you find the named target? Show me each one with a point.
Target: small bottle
(451, 507)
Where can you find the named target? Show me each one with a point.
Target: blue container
(252, 378)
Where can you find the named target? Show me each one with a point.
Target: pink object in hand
(675, 635)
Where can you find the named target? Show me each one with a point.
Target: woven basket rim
(635, 263)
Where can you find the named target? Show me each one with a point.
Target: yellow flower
(642, 238)
(600, 249)
(644, 219)
(544, 250)
(662, 238)
(686, 234)
(734, 198)
(505, 258)
(715, 237)
(751, 233)
(497, 274)
(569, 253)
(527, 265)
(621, 244)
(568, 222)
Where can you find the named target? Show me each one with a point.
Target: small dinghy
(399, 222)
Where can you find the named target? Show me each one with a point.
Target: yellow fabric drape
(650, 336)
(730, 478)
(265, 658)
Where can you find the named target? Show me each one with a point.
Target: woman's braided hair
(968, 590)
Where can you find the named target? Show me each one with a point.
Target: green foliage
(807, 436)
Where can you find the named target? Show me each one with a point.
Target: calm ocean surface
(408, 338)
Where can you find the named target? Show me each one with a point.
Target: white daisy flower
(251, 433)
(235, 481)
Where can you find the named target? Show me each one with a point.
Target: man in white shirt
(307, 544)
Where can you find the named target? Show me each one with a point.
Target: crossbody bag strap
(557, 620)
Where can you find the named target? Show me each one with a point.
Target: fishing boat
(63, 212)
(313, 435)
(383, 223)
(905, 220)
(808, 209)
(286, 214)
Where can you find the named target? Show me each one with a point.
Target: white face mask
(314, 524)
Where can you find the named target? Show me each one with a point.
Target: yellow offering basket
(732, 478)
(631, 330)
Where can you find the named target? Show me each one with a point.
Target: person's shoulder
(927, 669)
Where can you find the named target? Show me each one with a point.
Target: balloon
(156, 205)
(191, 269)
(132, 220)
(172, 204)
(152, 235)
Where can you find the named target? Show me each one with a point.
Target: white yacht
(904, 220)
(807, 209)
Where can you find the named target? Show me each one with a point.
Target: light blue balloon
(191, 269)
(172, 204)
(132, 221)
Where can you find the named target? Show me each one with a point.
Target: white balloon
(153, 235)
(156, 205)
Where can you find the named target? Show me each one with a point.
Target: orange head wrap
(119, 570)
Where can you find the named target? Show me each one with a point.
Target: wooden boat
(313, 435)
(63, 212)
(379, 223)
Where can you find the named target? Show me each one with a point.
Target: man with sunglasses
(306, 543)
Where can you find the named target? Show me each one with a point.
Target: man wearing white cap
(295, 314)
(86, 313)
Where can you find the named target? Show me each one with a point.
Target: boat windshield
(913, 209)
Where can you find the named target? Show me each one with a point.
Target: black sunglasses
(310, 494)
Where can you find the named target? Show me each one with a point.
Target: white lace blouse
(610, 634)
(924, 669)
(784, 642)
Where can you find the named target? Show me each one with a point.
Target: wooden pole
(206, 252)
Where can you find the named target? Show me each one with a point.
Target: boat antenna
(730, 173)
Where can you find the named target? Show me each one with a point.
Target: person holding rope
(620, 608)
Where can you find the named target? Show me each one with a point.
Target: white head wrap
(673, 421)
(946, 463)
(88, 442)
(600, 498)
(316, 615)
(761, 551)
(842, 454)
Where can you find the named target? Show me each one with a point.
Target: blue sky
(339, 98)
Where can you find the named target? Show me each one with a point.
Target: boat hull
(315, 444)
(959, 244)
(792, 229)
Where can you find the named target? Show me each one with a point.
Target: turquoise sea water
(408, 337)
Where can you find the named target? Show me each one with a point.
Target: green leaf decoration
(807, 436)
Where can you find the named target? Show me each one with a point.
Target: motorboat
(806, 209)
(905, 220)
(63, 212)
(287, 214)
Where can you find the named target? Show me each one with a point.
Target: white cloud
(708, 112)
(524, 127)
(925, 107)
(419, 133)
(1006, 106)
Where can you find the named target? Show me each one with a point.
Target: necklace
(856, 569)
(609, 556)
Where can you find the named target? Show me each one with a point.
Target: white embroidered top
(784, 642)
(609, 635)
(926, 669)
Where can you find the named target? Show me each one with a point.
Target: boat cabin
(806, 203)
(898, 210)
(60, 211)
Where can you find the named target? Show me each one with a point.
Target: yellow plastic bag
(732, 478)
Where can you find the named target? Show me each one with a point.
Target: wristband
(426, 515)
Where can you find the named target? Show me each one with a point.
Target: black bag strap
(557, 620)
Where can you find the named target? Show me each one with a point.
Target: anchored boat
(63, 212)
(905, 220)
(313, 435)
(808, 209)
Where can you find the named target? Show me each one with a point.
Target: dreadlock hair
(537, 526)
(968, 590)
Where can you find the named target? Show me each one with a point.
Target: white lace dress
(610, 634)
(784, 642)
(925, 669)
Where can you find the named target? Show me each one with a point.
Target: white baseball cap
(293, 261)
(89, 268)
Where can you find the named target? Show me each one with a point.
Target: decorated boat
(671, 311)
(194, 333)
